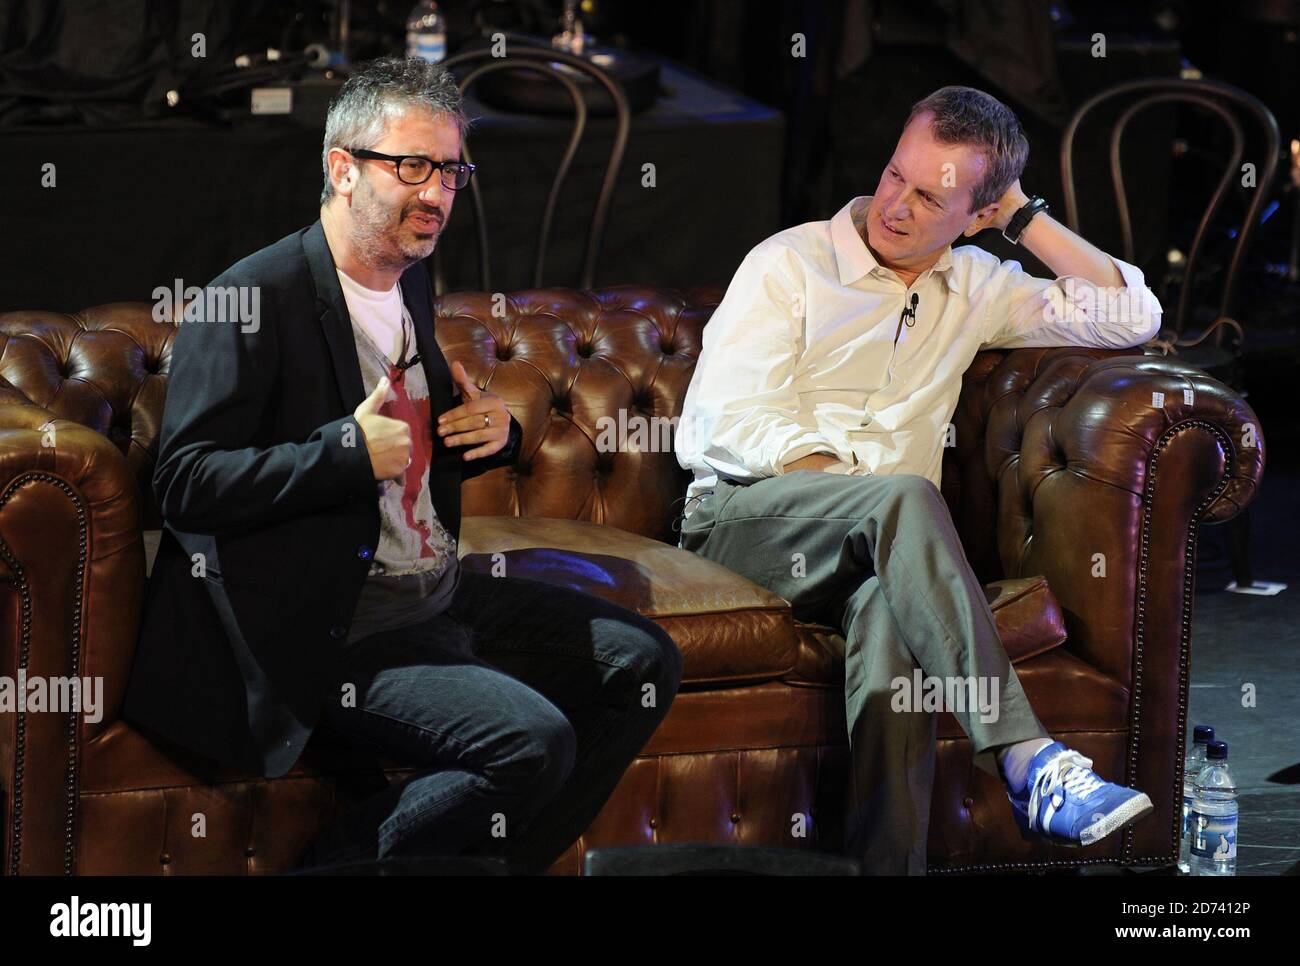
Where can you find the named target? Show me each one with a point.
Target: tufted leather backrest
(582, 371)
(578, 369)
(104, 367)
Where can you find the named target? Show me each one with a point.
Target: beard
(382, 236)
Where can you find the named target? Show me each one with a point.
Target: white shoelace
(1069, 772)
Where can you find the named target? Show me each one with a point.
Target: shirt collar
(854, 258)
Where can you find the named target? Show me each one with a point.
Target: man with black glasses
(307, 581)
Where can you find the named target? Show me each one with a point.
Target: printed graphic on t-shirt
(411, 538)
(411, 494)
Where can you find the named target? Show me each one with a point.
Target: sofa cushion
(1029, 621)
(1029, 617)
(729, 629)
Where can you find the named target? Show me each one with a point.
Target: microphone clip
(909, 313)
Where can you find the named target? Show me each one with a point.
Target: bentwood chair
(1228, 107)
(556, 65)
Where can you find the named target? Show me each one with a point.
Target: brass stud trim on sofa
(1139, 640)
(20, 731)
(1185, 631)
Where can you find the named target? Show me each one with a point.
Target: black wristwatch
(1020, 220)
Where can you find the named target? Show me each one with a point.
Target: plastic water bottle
(1212, 821)
(426, 32)
(1192, 765)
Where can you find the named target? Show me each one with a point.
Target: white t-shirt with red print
(413, 543)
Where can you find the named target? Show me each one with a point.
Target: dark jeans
(522, 705)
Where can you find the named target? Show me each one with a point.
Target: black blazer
(263, 470)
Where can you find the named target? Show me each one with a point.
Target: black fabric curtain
(109, 61)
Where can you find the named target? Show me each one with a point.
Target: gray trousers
(877, 557)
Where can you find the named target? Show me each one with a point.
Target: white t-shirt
(414, 572)
(378, 313)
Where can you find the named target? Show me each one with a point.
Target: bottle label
(1213, 836)
(430, 47)
(1187, 807)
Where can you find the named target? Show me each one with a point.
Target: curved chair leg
(1237, 532)
(1238, 538)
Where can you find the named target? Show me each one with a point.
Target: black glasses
(413, 169)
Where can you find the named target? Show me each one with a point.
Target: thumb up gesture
(388, 440)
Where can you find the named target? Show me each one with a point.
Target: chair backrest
(1220, 101)
(543, 61)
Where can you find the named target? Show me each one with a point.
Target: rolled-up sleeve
(741, 417)
(1026, 311)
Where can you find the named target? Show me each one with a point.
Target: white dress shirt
(800, 357)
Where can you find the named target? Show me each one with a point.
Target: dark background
(746, 138)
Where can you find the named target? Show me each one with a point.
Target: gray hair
(383, 91)
(964, 115)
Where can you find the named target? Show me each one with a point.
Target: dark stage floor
(1239, 640)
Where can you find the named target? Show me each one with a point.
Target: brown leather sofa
(1061, 455)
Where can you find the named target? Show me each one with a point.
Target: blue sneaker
(1066, 803)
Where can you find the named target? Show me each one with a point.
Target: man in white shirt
(815, 426)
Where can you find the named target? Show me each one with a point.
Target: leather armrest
(70, 600)
(1103, 472)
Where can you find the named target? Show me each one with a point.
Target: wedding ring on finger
(487, 420)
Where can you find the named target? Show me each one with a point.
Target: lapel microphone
(403, 366)
(908, 316)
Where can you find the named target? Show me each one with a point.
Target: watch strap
(1020, 220)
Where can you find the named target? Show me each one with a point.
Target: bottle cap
(1201, 734)
(1216, 750)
